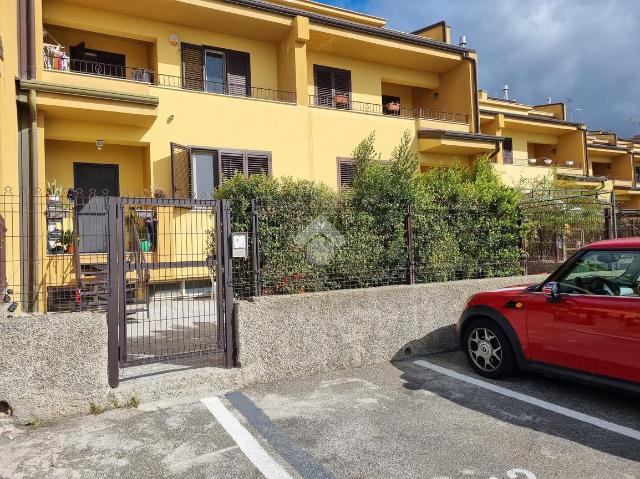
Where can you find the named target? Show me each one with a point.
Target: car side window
(604, 273)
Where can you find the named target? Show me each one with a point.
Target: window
(96, 62)
(333, 87)
(346, 173)
(215, 70)
(507, 147)
(605, 273)
(195, 172)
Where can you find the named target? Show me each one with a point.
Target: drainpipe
(33, 202)
(476, 97)
(495, 152)
(31, 39)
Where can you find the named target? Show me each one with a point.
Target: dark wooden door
(93, 184)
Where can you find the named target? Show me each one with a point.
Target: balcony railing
(543, 162)
(343, 102)
(232, 89)
(63, 63)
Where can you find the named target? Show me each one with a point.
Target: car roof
(624, 243)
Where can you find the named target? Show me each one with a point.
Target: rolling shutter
(192, 67)
(181, 171)
(346, 173)
(331, 83)
(238, 73)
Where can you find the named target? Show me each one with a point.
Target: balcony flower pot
(533, 161)
(341, 100)
(570, 163)
(393, 107)
(548, 161)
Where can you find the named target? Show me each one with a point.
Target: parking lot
(408, 419)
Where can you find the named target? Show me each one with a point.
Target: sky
(583, 52)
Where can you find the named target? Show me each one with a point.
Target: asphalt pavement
(428, 418)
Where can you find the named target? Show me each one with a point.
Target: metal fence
(317, 247)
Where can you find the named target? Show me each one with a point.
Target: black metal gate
(171, 295)
(628, 223)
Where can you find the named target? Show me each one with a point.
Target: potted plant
(341, 100)
(393, 107)
(67, 242)
(54, 190)
(570, 163)
(548, 161)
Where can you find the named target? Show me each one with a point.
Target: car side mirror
(552, 291)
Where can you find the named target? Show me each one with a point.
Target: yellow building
(169, 97)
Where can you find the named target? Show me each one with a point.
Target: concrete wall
(283, 336)
(53, 365)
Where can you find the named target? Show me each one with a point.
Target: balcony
(344, 102)
(544, 162)
(60, 62)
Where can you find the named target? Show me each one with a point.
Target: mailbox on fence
(240, 245)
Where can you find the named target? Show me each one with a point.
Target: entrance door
(93, 183)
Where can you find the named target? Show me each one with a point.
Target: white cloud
(587, 50)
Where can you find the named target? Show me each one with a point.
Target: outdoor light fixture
(173, 40)
(99, 144)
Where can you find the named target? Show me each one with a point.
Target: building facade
(169, 97)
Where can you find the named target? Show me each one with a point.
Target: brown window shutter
(507, 148)
(342, 87)
(230, 164)
(324, 85)
(238, 73)
(181, 171)
(192, 67)
(258, 164)
(346, 173)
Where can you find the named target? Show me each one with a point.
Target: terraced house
(167, 98)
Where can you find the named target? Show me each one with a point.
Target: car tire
(488, 349)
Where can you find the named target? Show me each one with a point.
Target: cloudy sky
(587, 51)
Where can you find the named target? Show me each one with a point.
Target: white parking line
(247, 443)
(594, 421)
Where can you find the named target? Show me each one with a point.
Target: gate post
(411, 262)
(113, 321)
(255, 248)
(227, 271)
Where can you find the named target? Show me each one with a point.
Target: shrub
(465, 224)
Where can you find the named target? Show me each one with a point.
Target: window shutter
(238, 73)
(192, 67)
(507, 147)
(258, 164)
(324, 86)
(342, 87)
(346, 173)
(230, 164)
(181, 171)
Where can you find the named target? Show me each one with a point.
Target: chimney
(505, 91)
(463, 41)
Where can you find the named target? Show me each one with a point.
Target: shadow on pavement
(522, 414)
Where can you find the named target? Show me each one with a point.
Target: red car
(582, 323)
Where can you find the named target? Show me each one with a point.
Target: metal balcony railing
(543, 162)
(232, 89)
(62, 62)
(344, 102)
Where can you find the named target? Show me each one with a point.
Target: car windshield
(607, 273)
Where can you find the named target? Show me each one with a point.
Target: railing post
(614, 216)
(411, 264)
(255, 248)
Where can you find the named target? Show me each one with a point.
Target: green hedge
(465, 224)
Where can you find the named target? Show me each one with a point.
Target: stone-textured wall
(281, 336)
(53, 365)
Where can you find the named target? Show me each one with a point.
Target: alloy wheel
(485, 349)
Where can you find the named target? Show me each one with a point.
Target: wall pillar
(292, 60)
